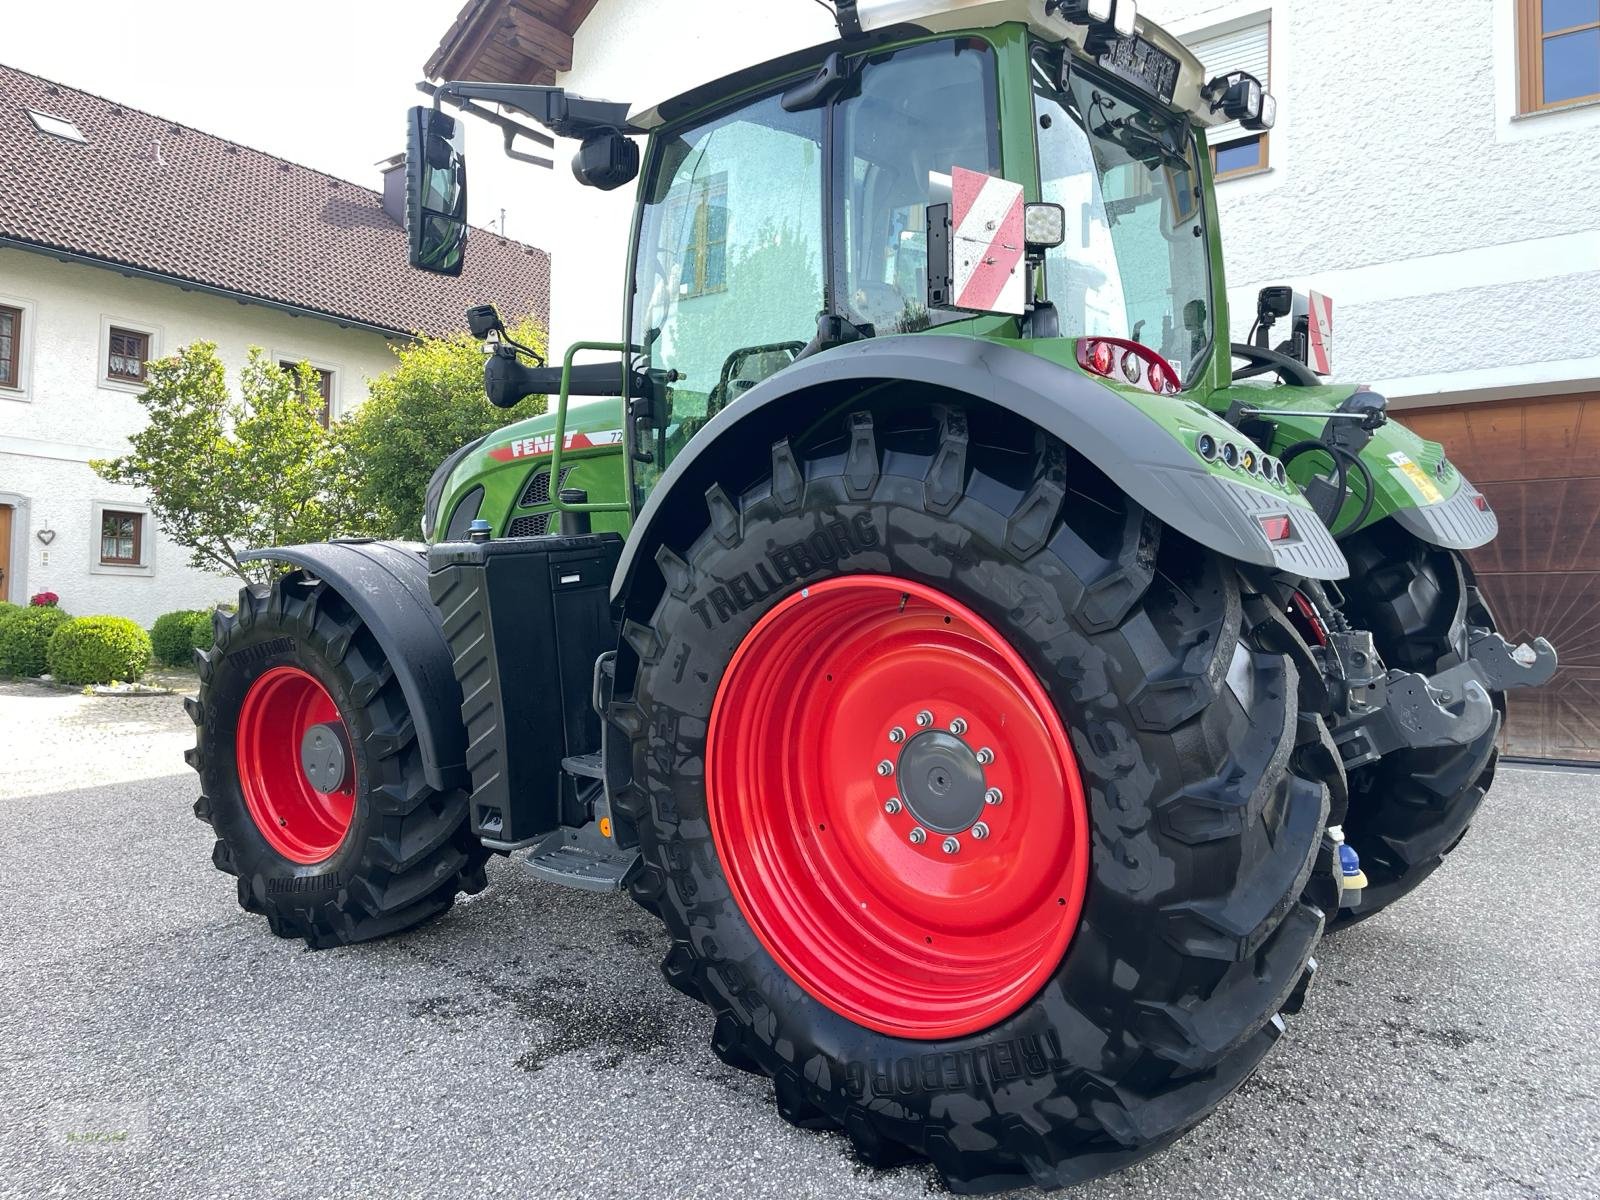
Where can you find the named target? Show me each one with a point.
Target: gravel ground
(154, 1040)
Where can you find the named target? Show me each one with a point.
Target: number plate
(1137, 61)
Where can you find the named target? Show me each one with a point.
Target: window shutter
(1247, 49)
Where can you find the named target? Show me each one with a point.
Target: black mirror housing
(436, 191)
(607, 160)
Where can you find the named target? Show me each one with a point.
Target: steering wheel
(1291, 370)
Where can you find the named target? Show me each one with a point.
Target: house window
(1558, 49)
(121, 538)
(128, 353)
(1240, 158)
(10, 347)
(698, 221)
(1235, 150)
(324, 387)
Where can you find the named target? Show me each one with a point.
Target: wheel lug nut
(918, 836)
(980, 831)
(891, 807)
(951, 845)
(897, 735)
(886, 768)
(958, 726)
(924, 719)
(993, 796)
(985, 756)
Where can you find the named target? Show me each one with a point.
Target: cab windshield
(1136, 260)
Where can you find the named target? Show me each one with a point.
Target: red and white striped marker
(1320, 332)
(988, 243)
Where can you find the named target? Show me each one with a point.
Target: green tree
(225, 473)
(431, 404)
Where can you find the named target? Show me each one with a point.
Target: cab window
(729, 279)
(918, 113)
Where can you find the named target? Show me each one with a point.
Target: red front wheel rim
(282, 709)
(896, 807)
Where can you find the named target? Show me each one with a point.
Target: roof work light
(1240, 97)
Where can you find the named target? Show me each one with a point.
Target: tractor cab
(1010, 169)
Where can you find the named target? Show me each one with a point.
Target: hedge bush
(7, 608)
(99, 650)
(24, 637)
(177, 635)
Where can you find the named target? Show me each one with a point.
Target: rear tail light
(1481, 503)
(1140, 365)
(1277, 529)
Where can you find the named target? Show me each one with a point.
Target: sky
(324, 83)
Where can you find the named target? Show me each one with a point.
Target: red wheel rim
(815, 836)
(299, 822)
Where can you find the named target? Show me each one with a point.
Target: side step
(585, 766)
(580, 858)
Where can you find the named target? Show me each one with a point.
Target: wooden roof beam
(539, 39)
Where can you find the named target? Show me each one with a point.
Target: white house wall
(66, 416)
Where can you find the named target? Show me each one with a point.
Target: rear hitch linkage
(1387, 710)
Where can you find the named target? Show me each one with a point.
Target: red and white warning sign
(987, 244)
(1319, 332)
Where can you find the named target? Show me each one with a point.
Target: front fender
(386, 583)
(1145, 448)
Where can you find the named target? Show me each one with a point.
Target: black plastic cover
(525, 620)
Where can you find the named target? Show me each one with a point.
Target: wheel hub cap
(941, 782)
(896, 807)
(323, 757)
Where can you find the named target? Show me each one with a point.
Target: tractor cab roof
(945, 16)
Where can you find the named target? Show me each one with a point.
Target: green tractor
(996, 681)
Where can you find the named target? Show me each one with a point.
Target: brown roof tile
(146, 193)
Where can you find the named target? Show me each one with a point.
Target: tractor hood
(496, 477)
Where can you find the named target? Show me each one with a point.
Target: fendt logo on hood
(545, 445)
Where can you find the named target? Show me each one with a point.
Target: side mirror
(436, 191)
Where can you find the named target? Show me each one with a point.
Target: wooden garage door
(1538, 461)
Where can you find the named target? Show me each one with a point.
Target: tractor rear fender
(386, 583)
(1143, 457)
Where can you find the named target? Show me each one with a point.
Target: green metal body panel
(504, 465)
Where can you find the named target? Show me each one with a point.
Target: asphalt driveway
(154, 1040)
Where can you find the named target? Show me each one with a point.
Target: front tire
(374, 851)
(1177, 821)
(1411, 808)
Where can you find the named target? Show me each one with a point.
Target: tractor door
(729, 271)
(748, 232)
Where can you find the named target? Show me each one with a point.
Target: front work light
(1046, 226)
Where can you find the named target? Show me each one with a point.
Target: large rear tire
(1033, 597)
(1411, 808)
(376, 853)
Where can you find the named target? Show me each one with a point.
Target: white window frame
(107, 324)
(23, 391)
(146, 565)
(335, 386)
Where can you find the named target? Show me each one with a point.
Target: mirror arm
(506, 125)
